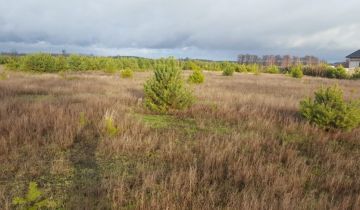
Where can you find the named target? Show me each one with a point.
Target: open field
(242, 145)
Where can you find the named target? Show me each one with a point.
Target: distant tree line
(278, 60)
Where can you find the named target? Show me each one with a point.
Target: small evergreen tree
(329, 110)
(228, 71)
(296, 72)
(126, 73)
(197, 77)
(166, 90)
(273, 69)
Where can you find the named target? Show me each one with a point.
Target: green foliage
(74, 63)
(356, 74)
(33, 199)
(329, 110)
(272, 69)
(338, 72)
(110, 66)
(166, 90)
(110, 128)
(296, 72)
(4, 59)
(228, 70)
(39, 62)
(193, 66)
(254, 68)
(197, 77)
(240, 68)
(126, 73)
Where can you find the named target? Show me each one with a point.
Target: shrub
(272, 69)
(228, 71)
(39, 62)
(4, 59)
(356, 74)
(166, 90)
(254, 68)
(126, 73)
(74, 62)
(296, 72)
(241, 68)
(338, 72)
(197, 77)
(193, 66)
(329, 110)
(110, 66)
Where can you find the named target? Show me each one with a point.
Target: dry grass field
(243, 145)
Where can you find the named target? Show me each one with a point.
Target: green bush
(329, 110)
(228, 71)
(356, 74)
(39, 62)
(110, 66)
(338, 72)
(4, 59)
(254, 68)
(197, 77)
(126, 73)
(166, 90)
(296, 72)
(272, 69)
(241, 68)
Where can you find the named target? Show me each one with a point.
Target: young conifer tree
(166, 90)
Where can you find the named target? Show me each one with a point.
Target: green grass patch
(188, 125)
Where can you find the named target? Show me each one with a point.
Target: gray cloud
(202, 28)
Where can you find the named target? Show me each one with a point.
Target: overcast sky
(213, 29)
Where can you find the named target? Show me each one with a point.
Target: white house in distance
(354, 60)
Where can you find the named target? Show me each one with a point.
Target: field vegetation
(89, 140)
(42, 62)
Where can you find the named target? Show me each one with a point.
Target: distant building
(354, 59)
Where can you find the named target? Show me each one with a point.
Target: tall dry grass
(243, 145)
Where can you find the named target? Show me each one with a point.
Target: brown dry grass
(241, 146)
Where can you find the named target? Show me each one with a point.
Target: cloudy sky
(212, 29)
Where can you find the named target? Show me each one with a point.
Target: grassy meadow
(88, 142)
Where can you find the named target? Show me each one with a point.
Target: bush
(296, 72)
(166, 90)
(4, 59)
(193, 66)
(228, 71)
(356, 74)
(254, 68)
(272, 69)
(329, 110)
(126, 73)
(39, 62)
(110, 66)
(197, 77)
(338, 72)
(241, 68)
